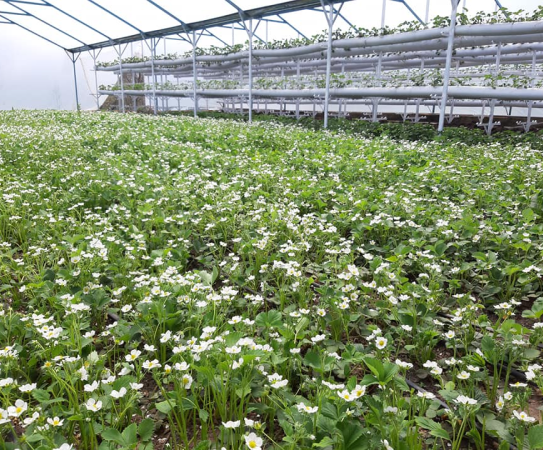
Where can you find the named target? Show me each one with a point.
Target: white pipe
(457, 92)
(448, 62)
(491, 31)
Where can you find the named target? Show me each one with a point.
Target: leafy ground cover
(210, 284)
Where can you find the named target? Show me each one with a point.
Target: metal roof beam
(286, 22)
(338, 13)
(46, 3)
(24, 2)
(257, 13)
(9, 2)
(114, 41)
(11, 22)
(410, 10)
(14, 13)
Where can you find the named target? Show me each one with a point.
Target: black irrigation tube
(418, 388)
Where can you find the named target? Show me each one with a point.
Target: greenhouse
(271, 225)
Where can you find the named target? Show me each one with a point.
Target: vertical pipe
(375, 111)
(448, 62)
(427, 15)
(298, 87)
(96, 81)
(165, 100)
(531, 103)
(330, 20)
(75, 84)
(153, 76)
(250, 31)
(194, 73)
(120, 53)
(233, 40)
(493, 102)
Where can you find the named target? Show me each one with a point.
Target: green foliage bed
(208, 284)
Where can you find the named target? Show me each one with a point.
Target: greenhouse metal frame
(456, 52)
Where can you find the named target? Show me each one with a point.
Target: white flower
(19, 408)
(253, 441)
(426, 394)
(463, 375)
(27, 387)
(165, 337)
(464, 400)
(119, 394)
(318, 338)
(233, 350)
(30, 420)
(151, 364)
(307, 409)
(403, 364)
(523, 417)
(500, 404)
(136, 386)
(346, 395)
(237, 364)
(358, 391)
(64, 446)
(232, 424)
(3, 416)
(450, 334)
(181, 366)
(91, 387)
(93, 405)
(387, 445)
(55, 421)
(276, 381)
(187, 381)
(381, 342)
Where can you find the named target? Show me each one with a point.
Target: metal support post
(379, 63)
(250, 33)
(94, 57)
(531, 103)
(194, 71)
(427, 15)
(74, 60)
(493, 102)
(153, 75)
(448, 62)
(331, 17)
(298, 87)
(120, 55)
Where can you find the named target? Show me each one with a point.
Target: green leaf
(111, 434)
(269, 319)
(35, 437)
(375, 366)
(165, 407)
(353, 436)
(435, 428)
(313, 359)
(535, 437)
(528, 215)
(130, 434)
(40, 395)
(145, 429)
(203, 445)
